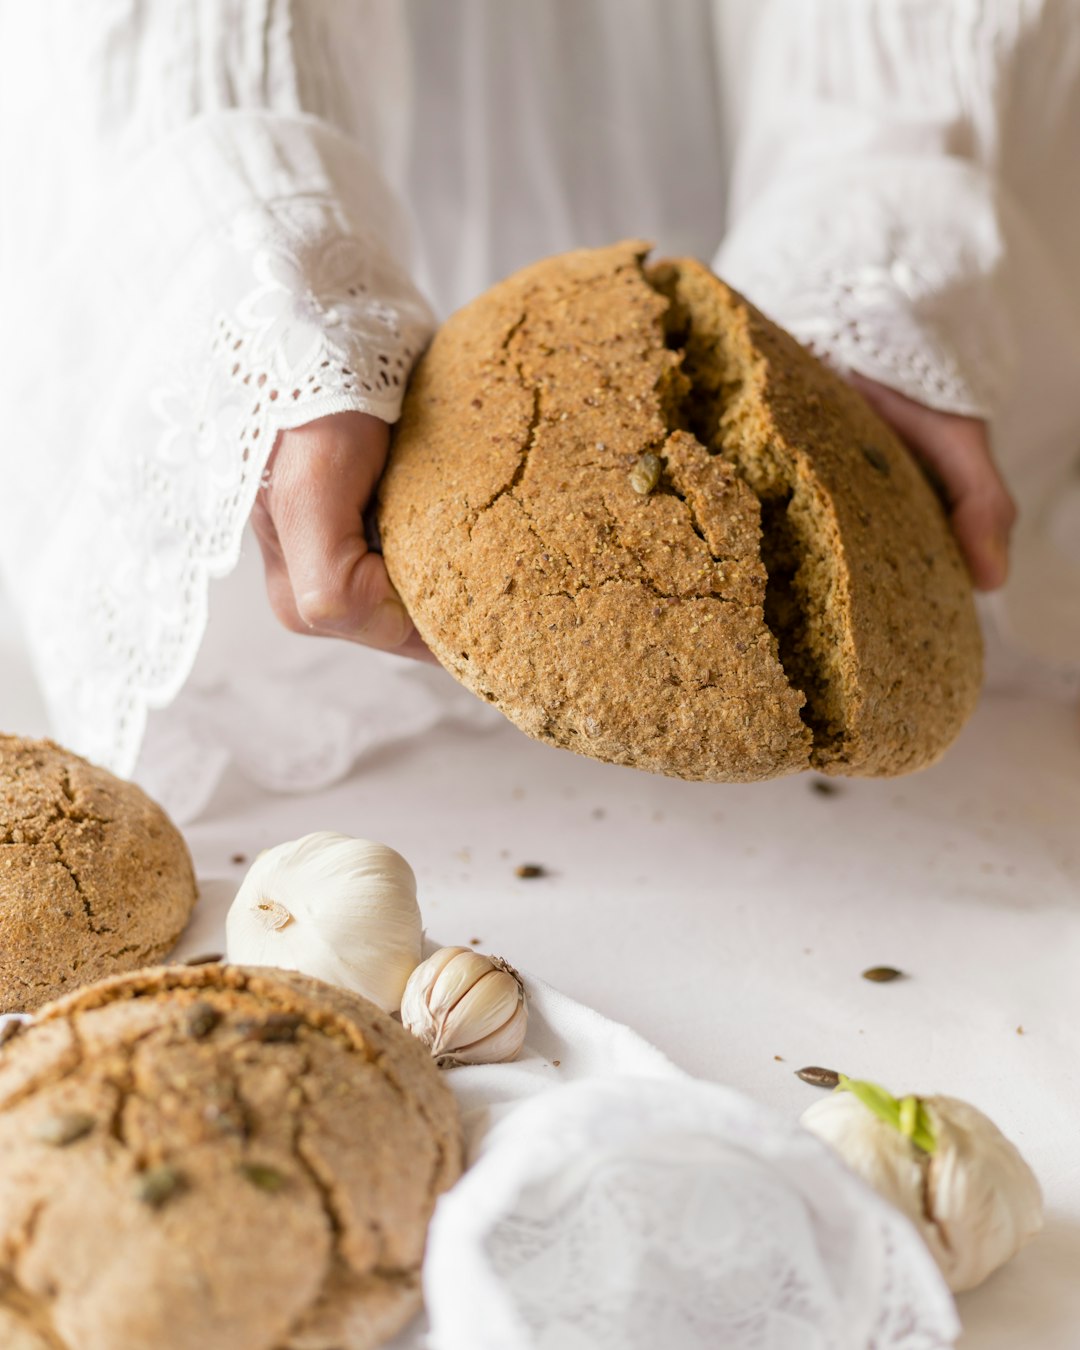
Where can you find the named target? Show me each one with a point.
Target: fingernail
(388, 626)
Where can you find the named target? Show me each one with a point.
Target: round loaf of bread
(94, 877)
(216, 1158)
(649, 526)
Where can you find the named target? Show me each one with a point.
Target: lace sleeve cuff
(889, 268)
(865, 205)
(248, 278)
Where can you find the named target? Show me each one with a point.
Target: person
(213, 302)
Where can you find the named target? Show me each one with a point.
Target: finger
(280, 592)
(278, 587)
(956, 452)
(262, 525)
(414, 645)
(982, 527)
(323, 475)
(981, 510)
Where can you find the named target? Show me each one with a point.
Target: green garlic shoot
(906, 1114)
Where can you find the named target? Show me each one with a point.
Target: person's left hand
(322, 578)
(956, 453)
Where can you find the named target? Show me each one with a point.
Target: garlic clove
(982, 1197)
(437, 962)
(467, 1008)
(455, 980)
(482, 1010)
(416, 1011)
(879, 1154)
(500, 1045)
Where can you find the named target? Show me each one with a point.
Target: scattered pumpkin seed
(158, 1184)
(59, 1131)
(275, 1028)
(202, 1019)
(206, 959)
(282, 1026)
(877, 459)
(529, 870)
(10, 1029)
(825, 1078)
(882, 974)
(263, 1177)
(645, 474)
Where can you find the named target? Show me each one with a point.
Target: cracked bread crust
(779, 601)
(305, 1138)
(94, 877)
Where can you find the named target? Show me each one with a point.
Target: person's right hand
(321, 576)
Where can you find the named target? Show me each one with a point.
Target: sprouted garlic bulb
(341, 909)
(465, 1007)
(943, 1164)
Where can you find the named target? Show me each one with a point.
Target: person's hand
(321, 576)
(956, 453)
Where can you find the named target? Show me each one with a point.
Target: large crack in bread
(787, 595)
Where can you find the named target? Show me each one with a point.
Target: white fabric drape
(204, 234)
(200, 247)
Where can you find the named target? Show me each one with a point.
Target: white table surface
(730, 924)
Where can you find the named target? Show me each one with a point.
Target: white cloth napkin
(613, 1202)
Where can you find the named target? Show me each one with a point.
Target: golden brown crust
(642, 628)
(94, 877)
(252, 1164)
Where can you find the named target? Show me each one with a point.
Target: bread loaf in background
(94, 877)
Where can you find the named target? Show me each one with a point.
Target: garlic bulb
(943, 1164)
(465, 1007)
(341, 909)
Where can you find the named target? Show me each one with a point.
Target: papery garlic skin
(341, 909)
(466, 1008)
(974, 1200)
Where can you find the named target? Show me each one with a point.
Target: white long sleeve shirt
(221, 218)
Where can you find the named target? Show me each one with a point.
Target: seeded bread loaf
(649, 526)
(216, 1158)
(94, 877)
